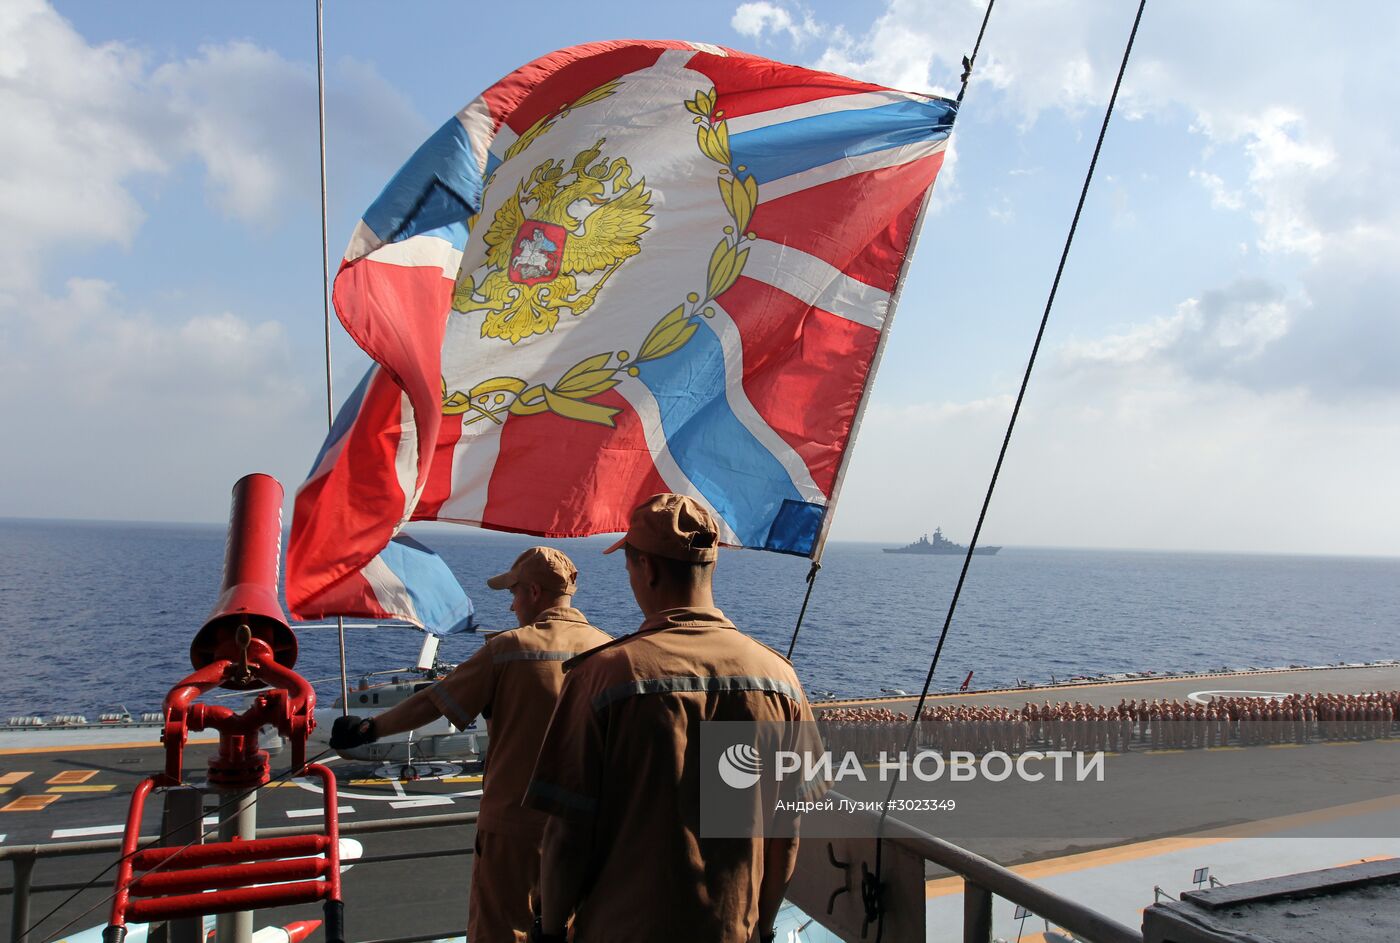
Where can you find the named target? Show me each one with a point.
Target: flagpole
(326, 296)
(820, 544)
(869, 384)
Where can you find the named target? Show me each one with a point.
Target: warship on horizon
(938, 545)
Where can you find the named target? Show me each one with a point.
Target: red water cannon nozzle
(245, 644)
(248, 597)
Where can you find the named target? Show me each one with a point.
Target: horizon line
(465, 530)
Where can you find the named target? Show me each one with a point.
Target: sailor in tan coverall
(513, 682)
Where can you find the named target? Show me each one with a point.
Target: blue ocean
(94, 616)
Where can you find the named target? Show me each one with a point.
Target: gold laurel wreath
(593, 376)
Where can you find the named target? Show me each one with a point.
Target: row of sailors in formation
(1156, 724)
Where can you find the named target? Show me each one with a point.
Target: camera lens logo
(740, 766)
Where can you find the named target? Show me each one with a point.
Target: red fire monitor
(246, 644)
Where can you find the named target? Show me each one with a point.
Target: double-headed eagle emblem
(554, 243)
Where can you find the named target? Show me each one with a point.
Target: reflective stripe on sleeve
(523, 655)
(449, 706)
(691, 684)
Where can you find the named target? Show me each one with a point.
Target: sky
(1219, 372)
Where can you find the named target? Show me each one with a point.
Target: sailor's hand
(350, 732)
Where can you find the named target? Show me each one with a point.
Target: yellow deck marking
(389, 782)
(93, 788)
(941, 887)
(1036, 870)
(30, 804)
(71, 777)
(9, 779)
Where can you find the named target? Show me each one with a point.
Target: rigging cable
(967, 64)
(1010, 426)
(326, 297)
(806, 598)
(236, 798)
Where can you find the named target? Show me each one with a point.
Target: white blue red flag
(626, 268)
(404, 581)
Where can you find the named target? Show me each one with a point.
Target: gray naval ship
(938, 545)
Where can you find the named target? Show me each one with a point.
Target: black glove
(350, 732)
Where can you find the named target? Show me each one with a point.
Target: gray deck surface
(397, 898)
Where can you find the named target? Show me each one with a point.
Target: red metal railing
(225, 877)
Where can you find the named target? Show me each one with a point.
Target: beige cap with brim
(673, 526)
(545, 567)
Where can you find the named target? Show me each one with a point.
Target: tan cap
(673, 526)
(547, 568)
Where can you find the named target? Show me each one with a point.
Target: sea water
(99, 615)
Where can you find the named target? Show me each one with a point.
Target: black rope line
(806, 598)
(236, 798)
(970, 61)
(1010, 426)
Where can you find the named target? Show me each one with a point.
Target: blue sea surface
(97, 615)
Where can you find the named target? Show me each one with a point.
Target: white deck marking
(1205, 697)
(420, 803)
(309, 813)
(90, 830)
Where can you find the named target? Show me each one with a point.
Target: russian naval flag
(626, 268)
(404, 581)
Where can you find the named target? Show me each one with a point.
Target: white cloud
(1221, 196)
(756, 20)
(249, 116)
(890, 54)
(131, 417)
(1133, 458)
(136, 407)
(1284, 167)
(85, 122)
(1002, 210)
(87, 347)
(76, 130)
(220, 101)
(1321, 184)
(1218, 335)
